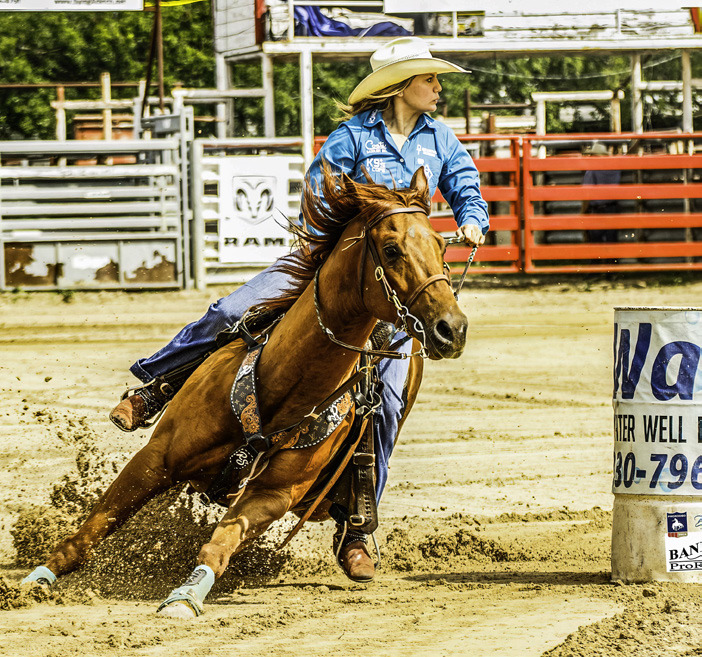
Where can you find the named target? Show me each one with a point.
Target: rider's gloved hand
(471, 234)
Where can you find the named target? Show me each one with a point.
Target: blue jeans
(197, 338)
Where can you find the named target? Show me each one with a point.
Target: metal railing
(500, 187)
(91, 214)
(149, 213)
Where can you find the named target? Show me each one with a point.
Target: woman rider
(390, 135)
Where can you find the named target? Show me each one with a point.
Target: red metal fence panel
(543, 219)
(500, 176)
(651, 219)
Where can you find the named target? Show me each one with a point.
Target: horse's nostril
(443, 331)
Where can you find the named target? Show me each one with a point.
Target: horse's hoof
(177, 609)
(181, 603)
(34, 584)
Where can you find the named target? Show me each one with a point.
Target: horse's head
(400, 272)
(403, 274)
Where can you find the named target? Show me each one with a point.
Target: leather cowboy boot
(353, 557)
(135, 411)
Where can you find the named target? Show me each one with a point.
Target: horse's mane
(326, 217)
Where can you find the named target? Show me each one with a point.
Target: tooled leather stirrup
(363, 508)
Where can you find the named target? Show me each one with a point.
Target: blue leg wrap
(41, 575)
(193, 592)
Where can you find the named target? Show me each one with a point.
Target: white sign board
(657, 402)
(71, 5)
(683, 550)
(524, 6)
(253, 209)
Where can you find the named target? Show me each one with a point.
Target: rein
(469, 262)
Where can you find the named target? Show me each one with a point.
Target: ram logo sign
(254, 208)
(254, 198)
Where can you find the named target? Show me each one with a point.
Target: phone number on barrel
(626, 472)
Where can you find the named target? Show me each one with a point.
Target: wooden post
(687, 125)
(491, 124)
(106, 113)
(149, 69)
(60, 114)
(615, 119)
(540, 117)
(159, 50)
(224, 109)
(61, 120)
(269, 97)
(636, 97)
(291, 20)
(540, 130)
(306, 108)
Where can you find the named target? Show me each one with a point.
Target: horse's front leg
(245, 520)
(141, 479)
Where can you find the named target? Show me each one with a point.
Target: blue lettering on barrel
(630, 376)
(685, 384)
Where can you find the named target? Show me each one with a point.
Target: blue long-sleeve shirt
(364, 140)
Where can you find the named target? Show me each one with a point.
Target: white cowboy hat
(396, 61)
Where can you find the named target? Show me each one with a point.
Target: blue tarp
(310, 21)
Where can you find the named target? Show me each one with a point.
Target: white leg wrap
(193, 592)
(40, 574)
(199, 583)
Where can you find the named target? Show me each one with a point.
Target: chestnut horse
(298, 368)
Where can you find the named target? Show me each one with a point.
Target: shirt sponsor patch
(375, 147)
(377, 165)
(423, 150)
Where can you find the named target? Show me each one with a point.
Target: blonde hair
(380, 100)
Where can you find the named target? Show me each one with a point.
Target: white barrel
(657, 483)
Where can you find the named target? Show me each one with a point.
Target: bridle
(402, 309)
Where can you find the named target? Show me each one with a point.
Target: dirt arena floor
(495, 527)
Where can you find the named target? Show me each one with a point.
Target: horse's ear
(419, 182)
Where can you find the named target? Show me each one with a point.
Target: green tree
(76, 47)
(65, 47)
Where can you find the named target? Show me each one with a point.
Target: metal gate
(651, 219)
(91, 214)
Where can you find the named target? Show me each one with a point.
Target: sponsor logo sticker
(677, 524)
(683, 553)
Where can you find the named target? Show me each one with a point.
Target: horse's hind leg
(244, 521)
(141, 479)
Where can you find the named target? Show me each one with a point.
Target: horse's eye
(391, 251)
